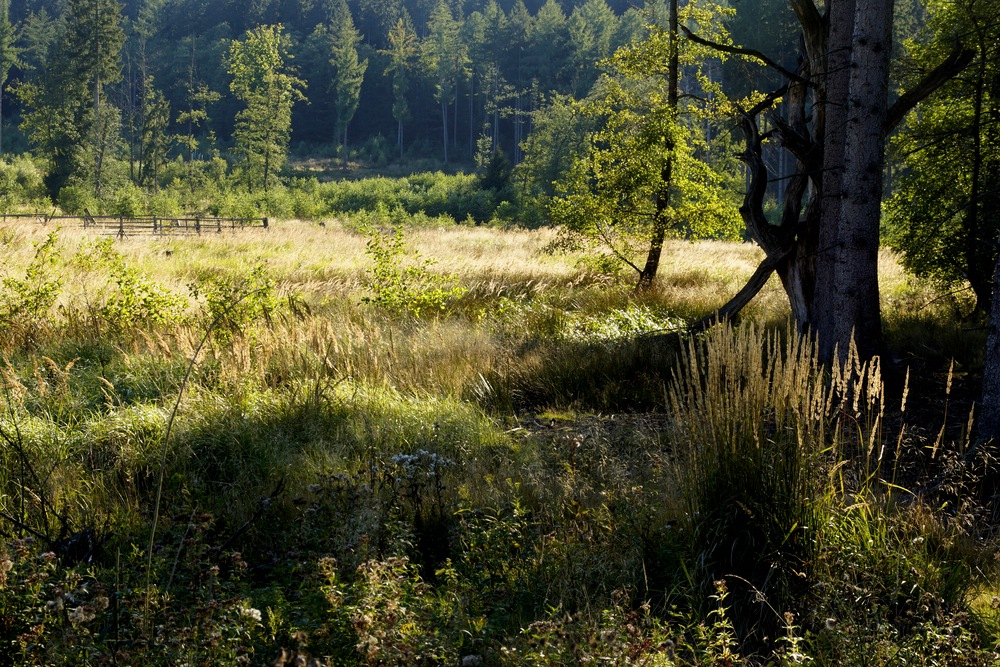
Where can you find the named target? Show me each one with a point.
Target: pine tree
(348, 73)
(401, 52)
(444, 57)
(68, 116)
(154, 139)
(9, 54)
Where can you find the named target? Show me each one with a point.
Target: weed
(128, 300)
(232, 304)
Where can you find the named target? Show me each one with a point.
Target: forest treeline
(385, 79)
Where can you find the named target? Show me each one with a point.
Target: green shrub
(22, 185)
(128, 299)
(75, 199)
(399, 288)
(25, 303)
(234, 303)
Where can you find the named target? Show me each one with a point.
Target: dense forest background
(498, 62)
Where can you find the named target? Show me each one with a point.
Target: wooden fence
(123, 226)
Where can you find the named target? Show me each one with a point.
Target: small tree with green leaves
(644, 172)
(263, 83)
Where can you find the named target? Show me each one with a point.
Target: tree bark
(652, 266)
(847, 296)
(988, 424)
(825, 249)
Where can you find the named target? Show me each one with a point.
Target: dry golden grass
(324, 263)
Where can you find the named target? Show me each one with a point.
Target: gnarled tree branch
(752, 53)
(957, 60)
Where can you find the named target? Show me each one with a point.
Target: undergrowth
(521, 472)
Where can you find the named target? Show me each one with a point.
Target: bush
(402, 289)
(75, 199)
(22, 185)
(128, 299)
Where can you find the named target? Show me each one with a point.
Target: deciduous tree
(262, 82)
(641, 177)
(825, 248)
(944, 214)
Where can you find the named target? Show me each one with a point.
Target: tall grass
(522, 477)
(749, 413)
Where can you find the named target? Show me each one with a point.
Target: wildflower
(251, 613)
(82, 614)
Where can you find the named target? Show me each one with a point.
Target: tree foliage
(944, 215)
(68, 117)
(402, 53)
(643, 171)
(262, 82)
(348, 73)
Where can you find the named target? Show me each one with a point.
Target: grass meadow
(339, 445)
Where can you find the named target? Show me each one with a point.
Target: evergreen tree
(445, 57)
(154, 138)
(589, 30)
(68, 115)
(348, 73)
(9, 54)
(488, 36)
(548, 48)
(402, 51)
(262, 82)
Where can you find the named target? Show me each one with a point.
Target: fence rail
(123, 226)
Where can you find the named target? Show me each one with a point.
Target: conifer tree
(68, 116)
(9, 54)
(401, 52)
(444, 57)
(348, 73)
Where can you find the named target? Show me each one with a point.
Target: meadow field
(356, 444)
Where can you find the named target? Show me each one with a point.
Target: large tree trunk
(988, 425)
(847, 295)
(825, 249)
